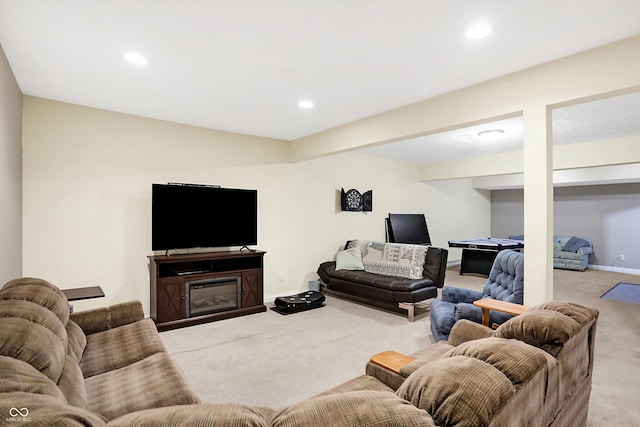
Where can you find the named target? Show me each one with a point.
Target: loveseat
(569, 252)
(393, 274)
(534, 370)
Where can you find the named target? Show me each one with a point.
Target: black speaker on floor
(299, 302)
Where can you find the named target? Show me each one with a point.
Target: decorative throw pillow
(574, 243)
(349, 259)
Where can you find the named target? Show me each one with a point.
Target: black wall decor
(353, 201)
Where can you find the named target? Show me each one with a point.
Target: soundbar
(183, 184)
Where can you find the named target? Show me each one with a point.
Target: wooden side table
(391, 360)
(88, 292)
(76, 294)
(488, 304)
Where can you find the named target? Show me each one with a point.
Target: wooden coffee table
(488, 304)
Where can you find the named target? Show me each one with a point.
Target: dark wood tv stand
(171, 274)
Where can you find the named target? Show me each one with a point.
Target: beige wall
(10, 174)
(601, 72)
(88, 174)
(87, 197)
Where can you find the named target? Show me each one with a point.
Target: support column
(538, 205)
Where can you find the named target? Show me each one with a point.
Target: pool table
(478, 254)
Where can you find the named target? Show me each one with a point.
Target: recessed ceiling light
(490, 135)
(478, 31)
(135, 58)
(305, 104)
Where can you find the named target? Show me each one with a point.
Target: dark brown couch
(389, 290)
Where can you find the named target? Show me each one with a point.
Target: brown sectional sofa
(103, 363)
(556, 339)
(109, 367)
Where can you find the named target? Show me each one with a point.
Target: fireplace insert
(212, 295)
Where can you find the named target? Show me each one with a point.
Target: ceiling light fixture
(135, 58)
(478, 31)
(305, 104)
(491, 135)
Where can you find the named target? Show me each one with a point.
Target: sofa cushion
(349, 259)
(46, 411)
(16, 375)
(506, 278)
(327, 270)
(34, 343)
(563, 255)
(392, 259)
(121, 346)
(34, 313)
(545, 329)
(458, 391)
(465, 330)
(104, 318)
(429, 354)
(71, 383)
(362, 382)
(355, 408)
(581, 314)
(153, 382)
(575, 243)
(516, 360)
(77, 341)
(205, 414)
(40, 292)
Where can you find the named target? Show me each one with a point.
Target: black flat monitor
(408, 228)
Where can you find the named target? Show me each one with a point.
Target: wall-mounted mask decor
(353, 201)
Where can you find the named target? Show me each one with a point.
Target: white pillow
(349, 259)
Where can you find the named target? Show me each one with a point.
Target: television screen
(408, 228)
(194, 216)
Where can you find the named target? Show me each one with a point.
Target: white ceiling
(615, 117)
(243, 65)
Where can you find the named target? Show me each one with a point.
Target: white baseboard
(591, 266)
(614, 269)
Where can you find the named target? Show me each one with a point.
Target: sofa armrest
(101, 319)
(585, 250)
(435, 265)
(458, 295)
(466, 330)
(466, 311)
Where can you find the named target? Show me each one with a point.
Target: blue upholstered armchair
(506, 283)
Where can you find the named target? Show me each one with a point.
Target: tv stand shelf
(171, 275)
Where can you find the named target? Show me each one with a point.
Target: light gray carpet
(274, 360)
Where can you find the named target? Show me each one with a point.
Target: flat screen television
(195, 216)
(408, 228)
